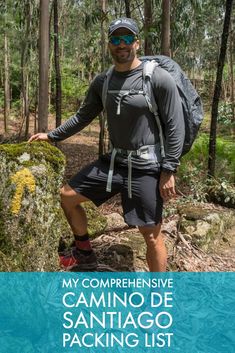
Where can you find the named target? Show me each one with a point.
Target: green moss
(7, 265)
(29, 236)
(37, 151)
(96, 221)
(2, 228)
(29, 164)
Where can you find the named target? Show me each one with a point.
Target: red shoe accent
(73, 259)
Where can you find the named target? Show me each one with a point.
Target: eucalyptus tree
(6, 83)
(166, 25)
(26, 17)
(4, 21)
(148, 23)
(128, 9)
(217, 91)
(231, 63)
(43, 66)
(57, 64)
(16, 23)
(102, 35)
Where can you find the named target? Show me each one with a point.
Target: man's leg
(74, 212)
(156, 254)
(82, 257)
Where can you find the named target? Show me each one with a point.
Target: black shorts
(145, 206)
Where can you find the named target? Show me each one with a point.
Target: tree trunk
(51, 58)
(217, 90)
(24, 72)
(6, 84)
(147, 27)
(231, 47)
(101, 116)
(27, 59)
(102, 32)
(35, 116)
(26, 105)
(57, 66)
(43, 66)
(165, 33)
(127, 7)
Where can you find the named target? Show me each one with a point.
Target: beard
(123, 55)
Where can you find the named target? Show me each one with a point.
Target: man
(143, 182)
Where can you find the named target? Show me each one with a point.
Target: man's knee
(152, 235)
(70, 198)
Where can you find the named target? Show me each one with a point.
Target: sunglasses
(128, 39)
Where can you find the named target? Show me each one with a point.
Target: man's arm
(171, 116)
(90, 108)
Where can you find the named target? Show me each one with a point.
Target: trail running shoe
(73, 260)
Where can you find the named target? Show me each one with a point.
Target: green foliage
(193, 169)
(225, 114)
(73, 87)
(225, 154)
(193, 164)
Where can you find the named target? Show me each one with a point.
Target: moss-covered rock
(221, 193)
(205, 226)
(96, 221)
(30, 214)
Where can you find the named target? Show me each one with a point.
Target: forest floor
(82, 149)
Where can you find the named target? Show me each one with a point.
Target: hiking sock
(83, 244)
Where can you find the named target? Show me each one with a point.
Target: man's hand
(167, 186)
(41, 136)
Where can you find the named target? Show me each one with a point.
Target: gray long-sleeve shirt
(135, 126)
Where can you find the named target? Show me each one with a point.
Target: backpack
(191, 102)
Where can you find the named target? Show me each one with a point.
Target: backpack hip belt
(147, 152)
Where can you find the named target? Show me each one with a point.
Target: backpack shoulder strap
(106, 85)
(149, 67)
(148, 70)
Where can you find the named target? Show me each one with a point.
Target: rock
(221, 193)
(115, 222)
(30, 213)
(122, 256)
(122, 251)
(97, 223)
(201, 229)
(206, 226)
(125, 250)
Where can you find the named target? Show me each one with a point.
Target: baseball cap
(123, 23)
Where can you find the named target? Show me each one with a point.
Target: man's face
(123, 53)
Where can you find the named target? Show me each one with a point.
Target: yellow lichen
(23, 179)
